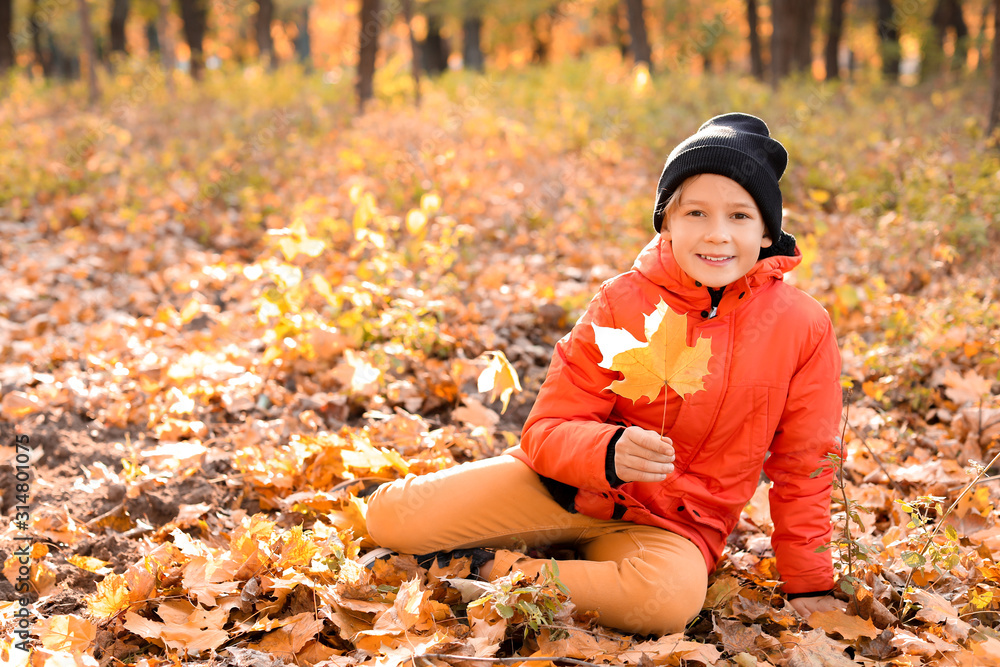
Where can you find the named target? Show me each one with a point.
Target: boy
(649, 491)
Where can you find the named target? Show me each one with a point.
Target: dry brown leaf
(848, 627)
(814, 649)
(968, 388)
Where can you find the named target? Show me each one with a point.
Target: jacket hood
(656, 262)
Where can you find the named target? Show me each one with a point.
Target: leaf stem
(663, 421)
(940, 523)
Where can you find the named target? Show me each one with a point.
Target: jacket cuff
(609, 461)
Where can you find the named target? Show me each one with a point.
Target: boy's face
(717, 230)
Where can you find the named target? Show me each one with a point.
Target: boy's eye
(743, 216)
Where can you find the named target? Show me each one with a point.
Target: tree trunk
(756, 59)
(367, 51)
(167, 43)
(995, 79)
(6, 36)
(262, 28)
(434, 48)
(414, 50)
(42, 56)
(617, 34)
(303, 40)
(541, 37)
(472, 48)
(888, 35)
(947, 14)
(88, 55)
(194, 13)
(119, 15)
(981, 38)
(641, 52)
(791, 36)
(833, 39)
(152, 39)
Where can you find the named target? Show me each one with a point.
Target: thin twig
(843, 492)
(937, 528)
(507, 661)
(107, 515)
(984, 480)
(864, 441)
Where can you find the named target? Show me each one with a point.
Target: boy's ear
(766, 241)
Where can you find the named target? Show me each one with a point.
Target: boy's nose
(716, 232)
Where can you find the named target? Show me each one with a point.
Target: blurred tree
(435, 49)
(6, 35)
(414, 50)
(262, 31)
(116, 26)
(756, 59)
(791, 36)
(303, 42)
(887, 25)
(194, 13)
(994, 120)
(367, 50)
(981, 37)
(39, 34)
(472, 48)
(540, 25)
(88, 54)
(641, 52)
(947, 16)
(617, 33)
(833, 35)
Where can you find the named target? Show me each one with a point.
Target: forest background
(258, 255)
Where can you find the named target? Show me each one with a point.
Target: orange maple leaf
(664, 360)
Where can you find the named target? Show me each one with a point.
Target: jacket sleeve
(806, 433)
(566, 435)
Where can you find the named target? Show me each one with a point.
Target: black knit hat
(735, 145)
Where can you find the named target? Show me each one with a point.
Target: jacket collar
(657, 263)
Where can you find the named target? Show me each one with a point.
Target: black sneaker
(443, 559)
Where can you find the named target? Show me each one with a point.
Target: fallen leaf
(499, 378)
(848, 627)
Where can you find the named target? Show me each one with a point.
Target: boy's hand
(806, 607)
(643, 456)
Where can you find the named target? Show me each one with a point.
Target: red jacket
(773, 387)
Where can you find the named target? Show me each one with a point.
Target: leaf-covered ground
(226, 309)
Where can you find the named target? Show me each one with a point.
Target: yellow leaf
(89, 564)
(499, 378)
(67, 633)
(664, 360)
(430, 202)
(415, 221)
(819, 196)
(111, 597)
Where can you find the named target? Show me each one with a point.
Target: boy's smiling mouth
(716, 259)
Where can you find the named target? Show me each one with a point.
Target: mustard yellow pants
(638, 578)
